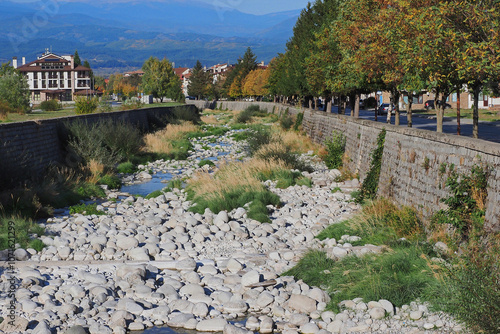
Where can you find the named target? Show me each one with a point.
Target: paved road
(487, 130)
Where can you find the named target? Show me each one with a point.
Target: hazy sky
(260, 6)
(247, 6)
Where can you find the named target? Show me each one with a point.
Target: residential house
(55, 77)
(184, 74)
(137, 72)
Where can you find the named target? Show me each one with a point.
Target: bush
(85, 105)
(286, 122)
(50, 105)
(5, 109)
(258, 137)
(370, 102)
(126, 168)
(89, 190)
(298, 121)
(112, 181)
(105, 106)
(105, 142)
(474, 287)
(466, 205)
(245, 116)
(335, 148)
(187, 114)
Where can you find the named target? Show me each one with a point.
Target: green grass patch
(22, 231)
(207, 131)
(401, 276)
(285, 178)
(86, 209)
(235, 198)
(206, 162)
(173, 184)
(180, 149)
(240, 136)
(154, 194)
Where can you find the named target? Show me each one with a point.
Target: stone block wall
(28, 148)
(415, 163)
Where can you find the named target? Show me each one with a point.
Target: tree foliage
(233, 86)
(160, 79)
(14, 89)
(199, 82)
(348, 47)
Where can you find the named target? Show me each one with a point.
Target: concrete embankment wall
(28, 148)
(413, 159)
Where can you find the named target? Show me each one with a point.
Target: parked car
(361, 104)
(429, 104)
(384, 108)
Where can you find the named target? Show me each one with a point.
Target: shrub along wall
(28, 148)
(415, 163)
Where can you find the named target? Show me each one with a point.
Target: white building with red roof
(184, 74)
(55, 77)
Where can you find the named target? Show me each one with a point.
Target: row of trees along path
(350, 47)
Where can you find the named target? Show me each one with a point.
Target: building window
(69, 83)
(61, 83)
(418, 99)
(35, 84)
(37, 96)
(35, 75)
(454, 97)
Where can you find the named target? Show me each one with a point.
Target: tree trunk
(475, 112)
(356, 106)
(389, 112)
(409, 112)
(310, 104)
(459, 131)
(440, 112)
(397, 95)
(329, 107)
(341, 105)
(315, 103)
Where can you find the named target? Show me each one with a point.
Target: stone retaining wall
(28, 148)
(412, 161)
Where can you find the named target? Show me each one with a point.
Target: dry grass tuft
(210, 119)
(96, 170)
(299, 142)
(231, 176)
(160, 141)
(383, 213)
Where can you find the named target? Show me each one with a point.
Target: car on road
(383, 109)
(430, 104)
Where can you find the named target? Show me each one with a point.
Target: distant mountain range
(116, 37)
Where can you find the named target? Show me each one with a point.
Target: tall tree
(160, 80)
(234, 81)
(77, 59)
(14, 89)
(473, 28)
(199, 82)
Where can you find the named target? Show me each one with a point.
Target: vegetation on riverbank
(461, 278)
